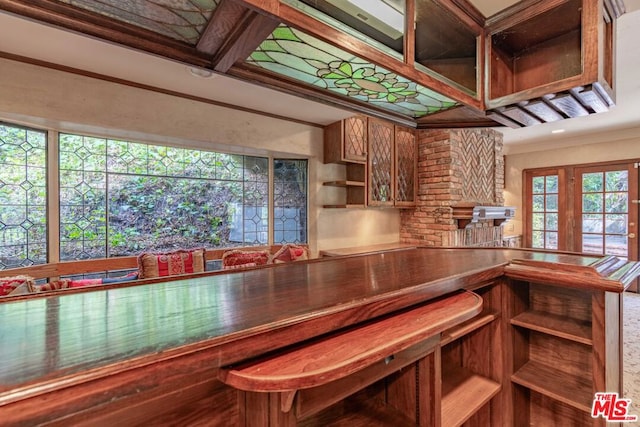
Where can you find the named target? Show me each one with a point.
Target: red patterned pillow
(240, 259)
(171, 263)
(55, 285)
(291, 252)
(10, 284)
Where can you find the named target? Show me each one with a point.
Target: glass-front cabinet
(438, 39)
(446, 46)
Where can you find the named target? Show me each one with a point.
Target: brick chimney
(456, 168)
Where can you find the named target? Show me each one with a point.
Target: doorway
(591, 209)
(606, 201)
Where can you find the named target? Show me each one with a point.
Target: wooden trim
(410, 33)
(103, 27)
(156, 89)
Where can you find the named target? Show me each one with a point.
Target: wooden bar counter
(527, 333)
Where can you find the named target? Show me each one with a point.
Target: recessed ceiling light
(557, 131)
(202, 73)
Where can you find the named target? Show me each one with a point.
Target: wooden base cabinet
(450, 379)
(560, 356)
(472, 369)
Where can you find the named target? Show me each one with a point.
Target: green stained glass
(183, 20)
(297, 55)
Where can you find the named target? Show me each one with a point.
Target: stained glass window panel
(297, 55)
(183, 20)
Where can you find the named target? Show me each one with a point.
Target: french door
(606, 210)
(583, 208)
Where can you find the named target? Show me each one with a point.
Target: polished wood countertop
(59, 340)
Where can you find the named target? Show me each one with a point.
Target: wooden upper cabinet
(381, 165)
(346, 141)
(392, 167)
(550, 61)
(406, 165)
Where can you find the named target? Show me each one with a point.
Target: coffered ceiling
(181, 65)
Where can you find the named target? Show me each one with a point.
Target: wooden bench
(313, 376)
(56, 270)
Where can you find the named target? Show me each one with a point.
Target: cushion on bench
(290, 252)
(16, 285)
(171, 263)
(55, 285)
(237, 258)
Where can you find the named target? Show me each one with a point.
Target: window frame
(52, 167)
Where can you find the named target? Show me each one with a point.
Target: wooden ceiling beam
(223, 23)
(250, 30)
(106, 28)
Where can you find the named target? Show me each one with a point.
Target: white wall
(606, 146)
(41, 97)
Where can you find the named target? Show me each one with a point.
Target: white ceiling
(25, 38)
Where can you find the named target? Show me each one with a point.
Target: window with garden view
(119, 198)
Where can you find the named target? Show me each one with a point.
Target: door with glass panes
(606, 210)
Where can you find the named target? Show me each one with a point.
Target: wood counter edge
(609, 273)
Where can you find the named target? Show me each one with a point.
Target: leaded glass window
(118, 198)
(290, 201)
(23, 188)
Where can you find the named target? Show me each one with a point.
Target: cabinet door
(406, 167)
(355, 139)
(381, 163)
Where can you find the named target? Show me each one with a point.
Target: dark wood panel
(221, 307)
(109, 353)
(339, 355)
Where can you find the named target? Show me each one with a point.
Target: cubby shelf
(558, 326)
(345, 206)
(344, 183)
(463, 393)
(358, 412)
(573, 390)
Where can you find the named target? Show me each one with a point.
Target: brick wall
(455, 166)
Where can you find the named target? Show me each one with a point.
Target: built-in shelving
(344, 183)
(559, 326)
(574, 390)
(558, 366)
(345, 206)
(358, 412)
(470, 378)
(463, 393)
